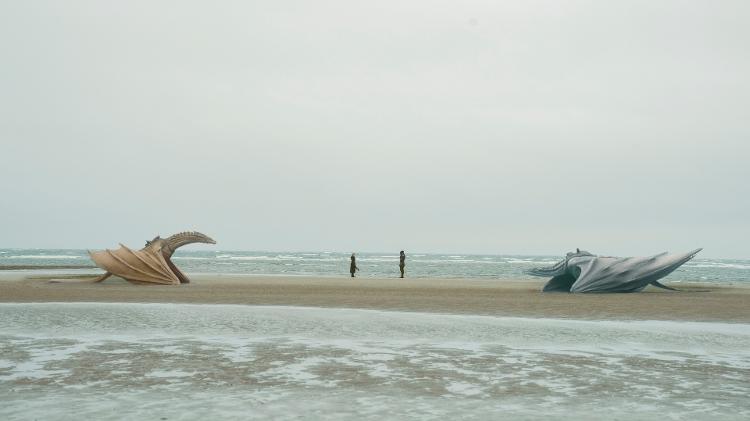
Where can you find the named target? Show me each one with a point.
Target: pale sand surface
(456, 296)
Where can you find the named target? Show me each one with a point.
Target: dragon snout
(203, 238)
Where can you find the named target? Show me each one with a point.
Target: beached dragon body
(582, 271)
(152, 264)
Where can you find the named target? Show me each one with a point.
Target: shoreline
(4, 268)
(512, 298)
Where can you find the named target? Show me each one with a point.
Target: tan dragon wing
(147, 265)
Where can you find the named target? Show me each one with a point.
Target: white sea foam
(191, 258)
(530, 261)
(289, 257)
(43, 256)
(230, 257)
(286, 362)
(718, 265)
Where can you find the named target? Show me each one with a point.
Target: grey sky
(465, 126)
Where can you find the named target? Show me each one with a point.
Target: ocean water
(373, 264)
(178, 361)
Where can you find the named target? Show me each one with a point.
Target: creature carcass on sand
(151, 264)
(584, 272)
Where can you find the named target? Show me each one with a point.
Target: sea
(163, 361)
(109, 361)
(375, 265)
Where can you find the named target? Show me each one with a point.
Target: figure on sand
(353, 266)
(402, 262)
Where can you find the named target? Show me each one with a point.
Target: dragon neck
(178, 240)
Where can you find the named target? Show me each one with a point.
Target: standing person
(402, 262)
(353, 267)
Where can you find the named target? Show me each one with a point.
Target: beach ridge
(518, 298)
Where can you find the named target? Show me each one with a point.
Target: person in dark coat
(402, 262)
(353, 267)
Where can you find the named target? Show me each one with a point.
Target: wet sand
(455, 296)
(46, 267)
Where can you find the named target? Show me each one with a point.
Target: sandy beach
(453, 296)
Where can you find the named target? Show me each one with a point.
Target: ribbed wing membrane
(147, 265)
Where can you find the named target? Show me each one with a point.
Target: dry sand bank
(45, 267)
(504, 298)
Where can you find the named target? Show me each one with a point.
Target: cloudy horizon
(458, 127)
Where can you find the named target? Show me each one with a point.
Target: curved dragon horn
(188, 237)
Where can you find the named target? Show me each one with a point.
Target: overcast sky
(499, 127)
